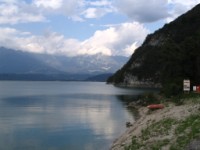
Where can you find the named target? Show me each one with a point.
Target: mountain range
(167, 57)
(20, 65)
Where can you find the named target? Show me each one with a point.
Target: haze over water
(62, 115)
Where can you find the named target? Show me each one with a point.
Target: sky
(80, 27)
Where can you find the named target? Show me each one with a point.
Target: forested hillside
(166, 57)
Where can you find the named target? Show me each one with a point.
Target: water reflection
(42, 121)
(56, 115)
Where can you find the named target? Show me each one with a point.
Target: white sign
(186, 85)
(194, 88)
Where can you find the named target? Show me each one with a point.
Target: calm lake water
(62, 115)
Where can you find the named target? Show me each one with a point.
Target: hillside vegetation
(166, 57)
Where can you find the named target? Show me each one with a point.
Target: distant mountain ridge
(166, 57)
(19, 64)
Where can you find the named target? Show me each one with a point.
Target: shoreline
(146, 118)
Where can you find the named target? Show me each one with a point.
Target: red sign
(198, 89)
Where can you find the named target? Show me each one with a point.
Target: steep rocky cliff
(166, 57)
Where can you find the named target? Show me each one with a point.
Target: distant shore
(168, 121)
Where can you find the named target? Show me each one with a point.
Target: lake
(62, 115)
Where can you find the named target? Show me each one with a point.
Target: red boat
(155, 106)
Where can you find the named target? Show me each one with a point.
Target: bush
(148, 98)
(172, 89)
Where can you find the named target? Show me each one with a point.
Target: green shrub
(148, 98)
(172, 89)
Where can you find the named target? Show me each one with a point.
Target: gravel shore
(146, 117)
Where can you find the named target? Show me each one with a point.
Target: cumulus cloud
(95, 12)
(9, 37)
(77, 10)
(97, 9)
(12, 12)
(68, 8)
(9, 1)
(49, 43)
(117, 40)
(101, 3)
(178, 7)
(17, 11)
(154, 10)
(53, 4)
(142, 10)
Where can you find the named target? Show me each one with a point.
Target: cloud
(53, 4)
(143, 12)
(154, 10)
(49, 43)
(9, 37)
(95, 12)
(117, 40)
(122, 39)
(17, 11)
(64, 7)
(97, 9)
(8, 1)
(13, 12)
(77, 10)
(178, 7)
(101, 3)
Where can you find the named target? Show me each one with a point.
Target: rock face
(167, 56)
(133, 81)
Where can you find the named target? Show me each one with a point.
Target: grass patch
(134, 145)
(153, 130)
(186, 131)
(182, 132)
(158, 128)
(152, 98)
(180, 99)
(158, 144)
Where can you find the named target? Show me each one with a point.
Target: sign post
(186, 85)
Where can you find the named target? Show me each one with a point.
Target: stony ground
(171, 128)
